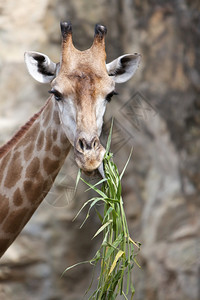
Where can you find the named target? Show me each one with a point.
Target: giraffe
(81, 85)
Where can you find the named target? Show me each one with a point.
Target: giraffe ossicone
(81, 85)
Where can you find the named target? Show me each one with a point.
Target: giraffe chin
(96, 173)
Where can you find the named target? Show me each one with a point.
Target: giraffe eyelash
(57, 95)
(109, 96)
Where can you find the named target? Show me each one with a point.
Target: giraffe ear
(40, 67)
(124, 67)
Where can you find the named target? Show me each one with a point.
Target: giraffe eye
(57, 95)
(109, 96)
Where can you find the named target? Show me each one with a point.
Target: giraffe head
(81, 85)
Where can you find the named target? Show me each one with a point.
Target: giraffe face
(81, 96)
(81, 86)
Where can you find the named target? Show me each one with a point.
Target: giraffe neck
(28, 167)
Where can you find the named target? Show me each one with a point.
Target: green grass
(117, 253)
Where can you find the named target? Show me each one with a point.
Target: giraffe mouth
(90, 161)
(98, 172)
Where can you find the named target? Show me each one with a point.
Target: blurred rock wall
(157, 113)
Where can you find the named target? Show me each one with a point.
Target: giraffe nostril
(95, 143)
(81, 144)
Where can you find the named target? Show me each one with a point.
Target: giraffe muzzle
(88, 152)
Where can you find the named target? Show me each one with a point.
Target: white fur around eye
(100, 110)
(67, 112)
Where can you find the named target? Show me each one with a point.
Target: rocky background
(157, 112)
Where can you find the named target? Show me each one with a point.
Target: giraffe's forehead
(83, 81)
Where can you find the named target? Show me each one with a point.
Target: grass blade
(119, 254)
(95, 189)
(122, 173)
(109, 137)
(102, 228)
